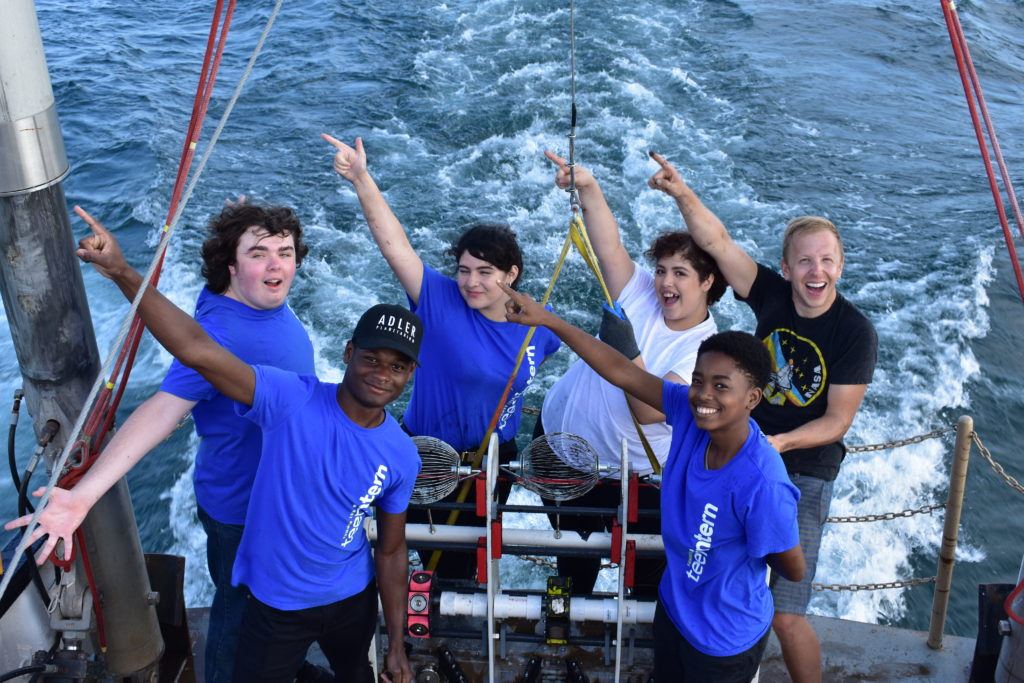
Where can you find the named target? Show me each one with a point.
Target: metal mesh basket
(439, 473)
(558, 466)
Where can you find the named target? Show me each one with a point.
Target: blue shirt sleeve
(771, 521)
(278, 395)
(185, 382)
(675, 403)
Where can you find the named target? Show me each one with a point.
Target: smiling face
(721, 394)
(478, 280)
(374, 377)
(681, 293)
(263, 270)
(813, 264)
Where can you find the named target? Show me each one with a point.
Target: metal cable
(574, 196)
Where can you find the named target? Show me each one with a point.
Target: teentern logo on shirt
(699, 553)
(512, 404)
(358, 514)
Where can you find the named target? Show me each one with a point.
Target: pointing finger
(334, 141)
(660, 159)
(555, 158)
(95, 225)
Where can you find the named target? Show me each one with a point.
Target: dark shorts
(812, 511)
(676, 660)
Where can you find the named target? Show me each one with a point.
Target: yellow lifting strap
(581, 239)
(578, 237)
(453, 516)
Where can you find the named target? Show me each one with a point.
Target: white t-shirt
(582, 403)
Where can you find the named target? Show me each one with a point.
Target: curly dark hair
(680, 242)
(494, 243)
(227, 228)
(750, 354)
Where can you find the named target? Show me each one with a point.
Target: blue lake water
(851, 109)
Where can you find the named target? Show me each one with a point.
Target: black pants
(456, 564)
(675, 659)
(608, 494)
(273, 643)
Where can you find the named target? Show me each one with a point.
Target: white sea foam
(469, 96)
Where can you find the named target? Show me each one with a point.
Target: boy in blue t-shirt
(728, 509)
(331, 451)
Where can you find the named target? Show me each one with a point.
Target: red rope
(101, 416)
(104, 410)
(97, 608)
(1008, 605)
(970, 81)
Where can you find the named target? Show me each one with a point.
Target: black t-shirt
(808, 355)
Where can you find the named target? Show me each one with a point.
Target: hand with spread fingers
(667, 178)
(100, 248)
(349, 162)
(582, 176)
(60, 518)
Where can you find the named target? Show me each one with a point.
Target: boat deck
(851, 651)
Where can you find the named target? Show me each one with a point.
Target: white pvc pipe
(544, 538)
(624, 522)
(493, 571)
(531, 607)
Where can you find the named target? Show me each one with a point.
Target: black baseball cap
(387, 326)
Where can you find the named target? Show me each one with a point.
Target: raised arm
(605, 360)
(387, 231)
(391, 559)
(172, 327)
(843, 402)
(146, 427)
(707, 230)
(616, 265)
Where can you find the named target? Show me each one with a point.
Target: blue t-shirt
(465, 362)
(230, 446)
(718, 526)
(304, 543)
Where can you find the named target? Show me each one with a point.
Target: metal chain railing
(923, 510)
(996, 467)
(934, 434)
(872, 586)
(539, 561)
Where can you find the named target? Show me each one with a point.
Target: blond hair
(803, 225)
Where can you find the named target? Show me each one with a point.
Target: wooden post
(947, 552)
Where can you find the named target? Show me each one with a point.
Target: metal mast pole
(44, 299)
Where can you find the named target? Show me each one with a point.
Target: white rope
(161, 250)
